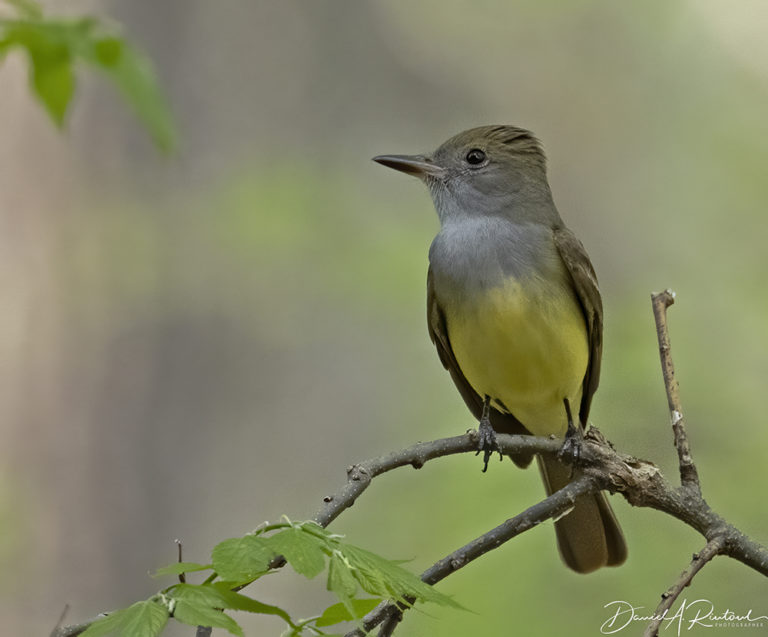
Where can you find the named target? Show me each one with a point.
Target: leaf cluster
(239, 562)
(55, 46)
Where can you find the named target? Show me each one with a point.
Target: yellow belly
(527, 351)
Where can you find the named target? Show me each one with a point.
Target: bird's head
(488, 170)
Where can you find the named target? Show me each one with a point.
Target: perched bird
(514, 310)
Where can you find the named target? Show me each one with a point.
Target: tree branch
(360, 475)
(684, 503)
(689, 476)
(710, 550)
(639, 481)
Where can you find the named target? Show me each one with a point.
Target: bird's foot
(486, 436)
(486, 442)
(574, 437)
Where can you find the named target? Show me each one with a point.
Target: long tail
(589, 536)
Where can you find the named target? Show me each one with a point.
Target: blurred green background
(190, 346)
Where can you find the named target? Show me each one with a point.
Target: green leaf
(54, 46)
(203, 603)
(194, 615)
(238, 601)
(220, 595)
(371, 581)
(197, 594)
(108, 51)
(49, 48)
(380, 576)
(133, 74)
(242, 559)
(53, 81)
(142, 619)
(340, 578)
(302, 549)
(339, 612)
(177, 568)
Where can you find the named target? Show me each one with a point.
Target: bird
(515, 312)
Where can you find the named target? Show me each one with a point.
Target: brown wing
(438, 332)
(584, 279)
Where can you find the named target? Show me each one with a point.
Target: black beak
(417, 165)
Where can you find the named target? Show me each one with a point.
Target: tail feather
(589, 536)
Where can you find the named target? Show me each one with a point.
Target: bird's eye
(475, 157)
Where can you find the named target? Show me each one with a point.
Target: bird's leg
(486, 435)
(573, 436)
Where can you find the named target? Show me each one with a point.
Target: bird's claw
(571, 448)
(486, 442)
(574, 436)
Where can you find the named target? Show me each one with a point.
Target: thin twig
(689, 476)
(551, 507)
(57, 627)
(201, 631)
(180, 555)
(710, 550)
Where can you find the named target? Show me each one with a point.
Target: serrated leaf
(340, 578)
(374, 571)
(242, 559)
(302, 549)
(142, 619)
(340, 613)
(370, 581)
(194, 615)
(177, 568)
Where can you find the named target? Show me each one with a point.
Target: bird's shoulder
(584, 280)
(575, 257)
